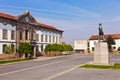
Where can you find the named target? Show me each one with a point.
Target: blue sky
(78, 19)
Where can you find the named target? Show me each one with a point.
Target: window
(53, 38)
(49, 38)
(20, 35)
(37, 37)
(12, 35)
(31, 36)
(4, 45)
(26, 34)
(56, 39)
(59, 39)
(41, 38)
(46, 38)
(42, 49)
(4, 34)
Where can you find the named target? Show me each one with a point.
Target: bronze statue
(101, 33)
(101, 29)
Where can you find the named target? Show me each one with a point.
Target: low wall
(56, 53)
(7, 56)
(51, 53)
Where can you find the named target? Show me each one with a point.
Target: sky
(78, 19)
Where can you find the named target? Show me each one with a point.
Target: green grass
(115, 66)
(13, 61)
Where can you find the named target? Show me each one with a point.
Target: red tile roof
(38, 24)
(47, 26)
(114, 36)
(7, 16)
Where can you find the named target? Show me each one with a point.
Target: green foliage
(110, 42)
(96, 66)
(115, 66)
(12, 61)
(118, 49)
(58, 47)
(8, 50)
(67, 47)
(25, 48)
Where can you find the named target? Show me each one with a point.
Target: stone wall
(7, 56)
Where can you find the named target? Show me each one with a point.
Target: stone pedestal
(101, 55)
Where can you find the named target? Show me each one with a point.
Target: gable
(26, 18)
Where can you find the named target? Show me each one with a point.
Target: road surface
(62, 68)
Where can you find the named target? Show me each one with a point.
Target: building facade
(89, 45)
(81, 46)
(15, 30)
(94, 39)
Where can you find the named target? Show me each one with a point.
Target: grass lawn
(12, 61)
(115, 66)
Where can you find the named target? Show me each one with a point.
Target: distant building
(81, 46)
(94, 39)
(89, 45)
(15, 30)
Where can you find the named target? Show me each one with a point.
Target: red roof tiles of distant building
(114, 36)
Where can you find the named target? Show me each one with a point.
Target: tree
(25, 48)
(118, 49)
(58, 47)
(8, 50)
(110, 42)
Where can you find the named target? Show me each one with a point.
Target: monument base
(101, 55)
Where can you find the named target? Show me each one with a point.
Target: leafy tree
(118, 49)
(110, 42)
(58, 47)
(25, 48)
(8, 50)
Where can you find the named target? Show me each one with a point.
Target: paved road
(62, 68)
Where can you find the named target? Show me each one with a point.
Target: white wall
(48, 33)
(117, 43)
(7, 41)
(92, 44)
(81, 45)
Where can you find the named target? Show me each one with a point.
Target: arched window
(12, 34)
(4, 34)
(20, 35)
(42, 38)
(49, 38)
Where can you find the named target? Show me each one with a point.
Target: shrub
(118, 49)
(58, 47)
(25, 48)
(8, 50)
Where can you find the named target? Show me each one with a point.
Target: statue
(101, 33)
(101, 29)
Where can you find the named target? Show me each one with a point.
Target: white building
(15, 30)
(89, 45)
(94, 39)
(81, 45)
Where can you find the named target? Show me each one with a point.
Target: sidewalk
(42, 58)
